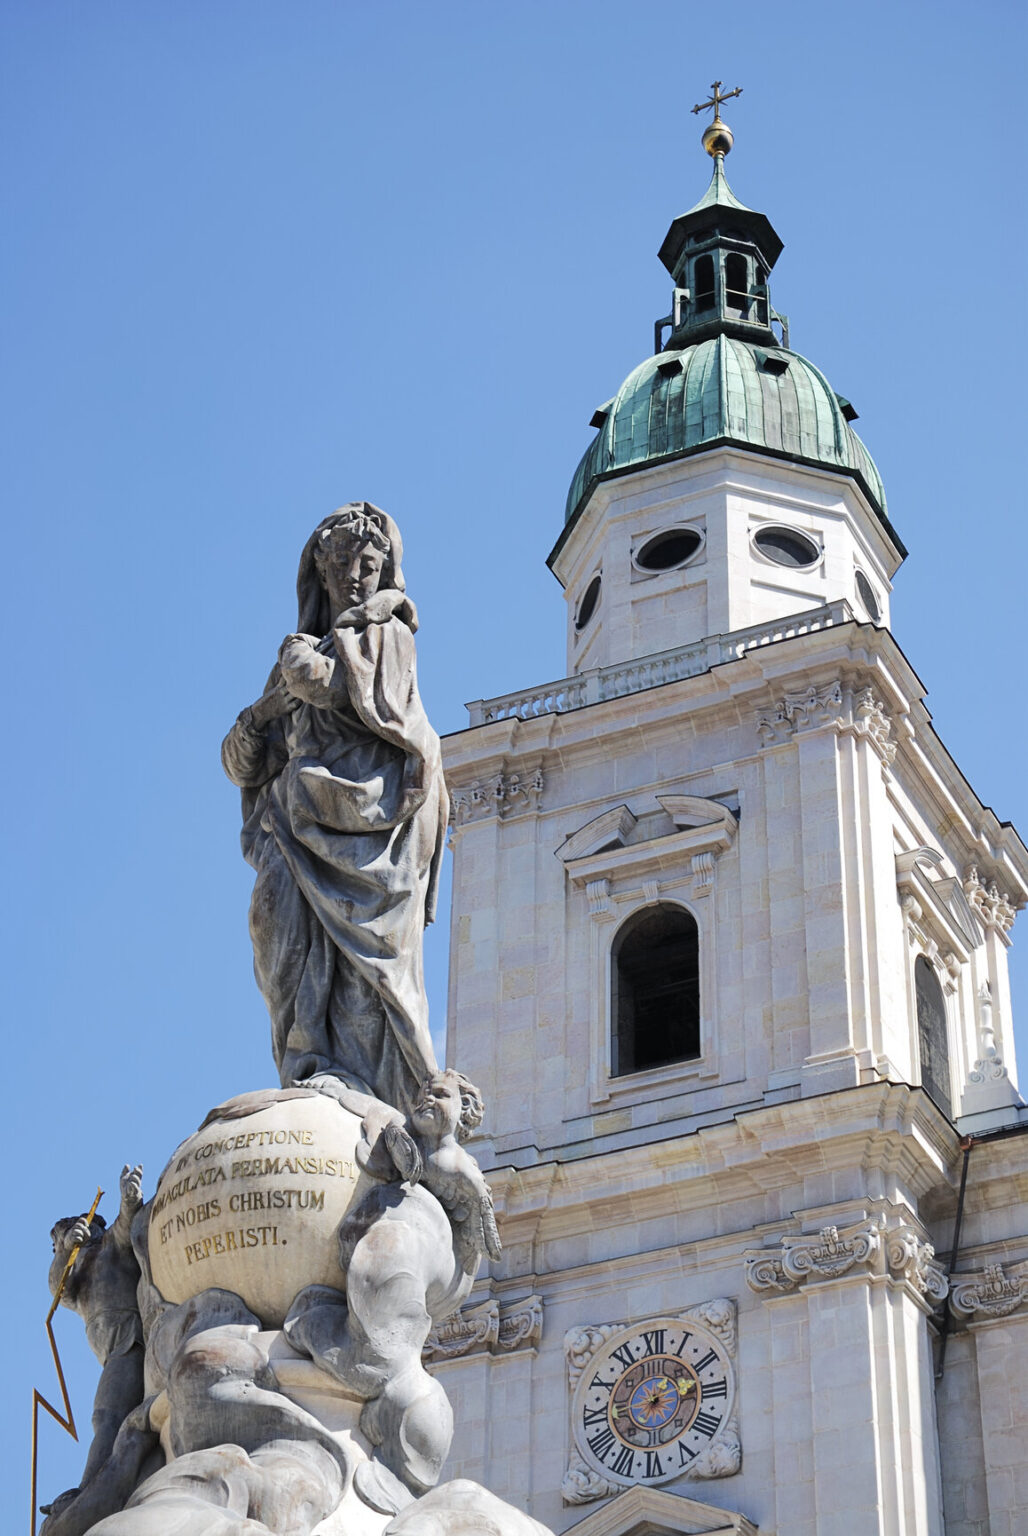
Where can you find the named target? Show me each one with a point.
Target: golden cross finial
(716, 100)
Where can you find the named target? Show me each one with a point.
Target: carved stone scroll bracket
(991, 1293)
(502, 795)
(724, 1457)
(581, 1484)
(719, 1317)
(581, 1343)
(487, 1329)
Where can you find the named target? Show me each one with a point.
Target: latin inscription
(196, 1174)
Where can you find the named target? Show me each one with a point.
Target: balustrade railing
(601, 683)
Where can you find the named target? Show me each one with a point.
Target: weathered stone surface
(253, 1204)
(344, 818)
(463, 1508)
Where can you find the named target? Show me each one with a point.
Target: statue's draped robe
(344, 819)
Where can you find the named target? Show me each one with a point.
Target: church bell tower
(729, 965)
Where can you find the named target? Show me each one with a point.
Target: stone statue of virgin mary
(344, 818)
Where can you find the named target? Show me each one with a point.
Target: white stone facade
(786, 789)
(725, 496)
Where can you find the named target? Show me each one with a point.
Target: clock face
(651, 1400)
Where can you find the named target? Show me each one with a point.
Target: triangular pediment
(652, 1512)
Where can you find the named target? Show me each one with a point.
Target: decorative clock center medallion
(653, 1402)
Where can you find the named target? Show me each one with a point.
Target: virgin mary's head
(353, 553)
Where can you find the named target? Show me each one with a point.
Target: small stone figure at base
(101, 1288)
(425, 1148)
(448, 1109)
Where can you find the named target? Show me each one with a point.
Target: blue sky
(260, 259)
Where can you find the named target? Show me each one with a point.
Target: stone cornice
(881, 1128)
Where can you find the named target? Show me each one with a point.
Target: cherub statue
(427, 1149)
(410, 1253)
(101, 1288)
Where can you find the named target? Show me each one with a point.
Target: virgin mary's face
(351, 573)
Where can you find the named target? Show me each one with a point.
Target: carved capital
(799, 711)
(826, 1255)
(858, 711)
(503, 794)
(486, 1329)
(992, 905)
(993, 1292)
(912, 1259)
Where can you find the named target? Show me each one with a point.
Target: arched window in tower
(655, 990)
(703, 282)
(738, 285)
(931, 1034)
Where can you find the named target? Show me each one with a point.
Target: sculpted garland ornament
(652, 1401)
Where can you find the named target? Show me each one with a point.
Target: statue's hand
(79, 1234)
(378, 609)
(277, 701)
(131, 1188)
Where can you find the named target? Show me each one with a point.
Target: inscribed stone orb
(252, 1203)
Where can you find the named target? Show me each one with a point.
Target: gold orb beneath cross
(718, 138)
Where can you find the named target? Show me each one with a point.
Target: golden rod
(38, 1400)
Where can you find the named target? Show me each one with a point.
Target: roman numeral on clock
(716, 1388)
(600, 1444)
(592, 1416)
(624, 1462)
(708, 1359)
(653, 1466)
(685, 1339)
(654, 1342)
(624, 1355)
(705, 1423)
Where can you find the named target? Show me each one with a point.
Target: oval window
(785, 546)
(866, 593)
(587, 607)
(668, 549)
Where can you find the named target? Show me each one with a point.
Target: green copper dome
(724, 390)
(719, 374)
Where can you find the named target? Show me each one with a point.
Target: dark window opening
(668, 549)
(786, 547)
(737, 284)
(587, 607)
(655, 990)
(866, 593)
(703, 282)
(932, 1034)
